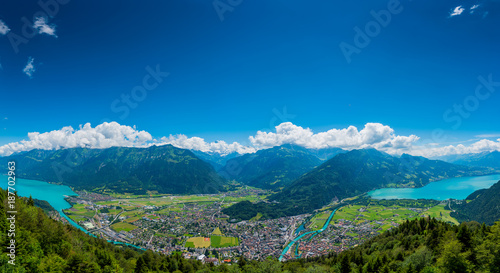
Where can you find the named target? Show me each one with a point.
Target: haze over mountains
(485, 159)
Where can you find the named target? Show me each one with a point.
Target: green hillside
(350, 174)
(271, 168)
(481, 206)
(165, 169)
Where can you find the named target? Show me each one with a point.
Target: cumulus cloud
(4, 29)
(29, 69)
(42, 26)
(199, 144)
(483, 145)
(457, 11)
(104, 135)
(373, 135)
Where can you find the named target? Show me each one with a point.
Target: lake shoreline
(452, 188)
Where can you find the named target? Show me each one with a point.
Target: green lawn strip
(133, 219)
(123, 226)
(77, 218)
(440, 213)
(221, 241)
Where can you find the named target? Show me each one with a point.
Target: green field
(386, 215)
(123, 226)
(440, 213)
(256, 218)
(77, 218)
(217, 231)
(80, 210)
(133, 219)
(319, 220)
(221, 241)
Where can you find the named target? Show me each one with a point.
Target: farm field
(384, 216)
(221, 241)
(76, 218)
(198, 242)
(123, 226)
(214, 241)
(79, 211)
(318, 221)
(172, 203)
(440, 213)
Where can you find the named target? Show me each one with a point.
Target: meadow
(123, 226)
(385, 216)
(198, 242)
(222, 241)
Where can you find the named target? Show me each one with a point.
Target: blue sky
(231, 69)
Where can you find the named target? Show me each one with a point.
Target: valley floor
(195, 226)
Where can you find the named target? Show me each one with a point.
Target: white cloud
(199, 144)
(473, 8)
(29, 69)
(457, 11)
(104, 135)
(483, 145)
(488, 135)
(41, 26)
(4, 29)
(373, 135)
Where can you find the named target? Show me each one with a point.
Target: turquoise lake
(455, 188)
(54, 194)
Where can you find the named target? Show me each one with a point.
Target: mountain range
(217, 160)
(302, 181)
(164, 169)
(270, 168)
(350, 174)
(485, 159)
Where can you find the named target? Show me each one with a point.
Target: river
(287, 248)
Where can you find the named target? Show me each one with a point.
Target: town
(195, 226)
